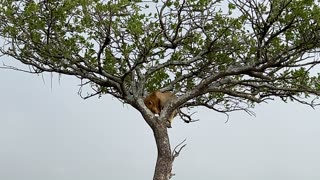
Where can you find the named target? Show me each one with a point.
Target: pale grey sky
(52, 134)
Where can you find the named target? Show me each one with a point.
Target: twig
(176, 153)
(186, 117)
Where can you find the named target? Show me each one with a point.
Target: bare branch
(176, 153)
(186, 117)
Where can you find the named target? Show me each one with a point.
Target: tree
(223, 55)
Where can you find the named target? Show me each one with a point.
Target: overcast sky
(47, 132)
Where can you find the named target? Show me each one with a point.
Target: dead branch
(176, 152)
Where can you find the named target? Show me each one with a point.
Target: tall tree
(223, 55)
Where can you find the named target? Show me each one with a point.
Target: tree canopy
(223, 55)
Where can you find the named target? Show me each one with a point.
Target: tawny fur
(157, 100)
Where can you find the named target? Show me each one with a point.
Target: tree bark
(164, 160)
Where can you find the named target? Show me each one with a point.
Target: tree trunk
(164, 159)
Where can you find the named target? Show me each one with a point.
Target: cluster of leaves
(220, 53)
